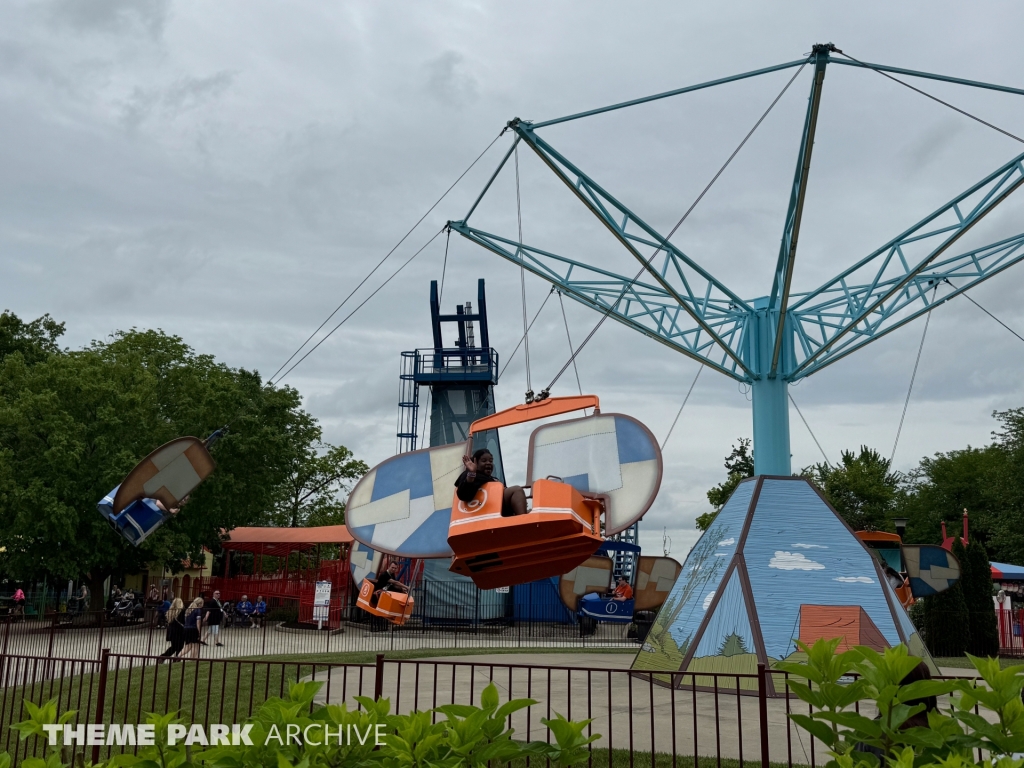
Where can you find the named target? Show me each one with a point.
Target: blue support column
(770, 394)
(771, 426)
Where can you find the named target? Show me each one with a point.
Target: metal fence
(724, 717)
(662, 719)
(84, 635)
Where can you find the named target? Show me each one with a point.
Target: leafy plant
(465, 736)
(951, 739)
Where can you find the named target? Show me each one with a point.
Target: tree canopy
(860, 488)
(74, 422)
(740, 465)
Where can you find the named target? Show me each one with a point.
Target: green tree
(740, 465)
(74, 423)
(860, 488)
(976, 585)
(34, 341)
(1007, 488)
(946, 484)
(319, 475)
(946, 620)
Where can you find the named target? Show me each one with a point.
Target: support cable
(567, 336)
(426, 418)
(444, 267)
(986, 311)
(520, 342)
(611, 308)
(522, 279)
(361, 305)
(963, 112)
(386, 256)
(810, 431)
(906, 403)
(680, 411)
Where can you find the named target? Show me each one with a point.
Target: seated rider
(478, 472)
(622, 590)
(387, 581)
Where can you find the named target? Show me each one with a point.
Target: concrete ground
(627, 712)
(80, 643)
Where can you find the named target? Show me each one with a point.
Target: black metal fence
(724, 717)
(84, 635)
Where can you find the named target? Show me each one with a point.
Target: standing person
(19, 603)
(259, 611)
(193, 625)
(175, 629)
(213, 615)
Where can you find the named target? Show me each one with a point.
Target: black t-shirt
(216, 612)
(384, 579)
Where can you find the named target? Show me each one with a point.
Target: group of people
(200, 622)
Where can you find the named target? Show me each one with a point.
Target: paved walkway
(628, 712)
(76, 643)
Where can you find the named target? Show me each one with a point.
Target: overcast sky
(228, 171)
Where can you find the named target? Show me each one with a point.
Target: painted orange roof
(848, 622)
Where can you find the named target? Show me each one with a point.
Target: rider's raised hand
(468, 463)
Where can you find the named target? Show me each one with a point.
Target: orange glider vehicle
(587, 478)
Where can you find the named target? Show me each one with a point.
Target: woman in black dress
(478, 471)
(175, 628)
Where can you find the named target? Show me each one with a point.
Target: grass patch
(962, 662)
(370, 657)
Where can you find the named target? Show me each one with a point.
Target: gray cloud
(276, 152)
(112, 16)
(449, 80)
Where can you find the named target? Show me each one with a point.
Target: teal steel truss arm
(914, 299)
(644, 306)
(872, 295)
(779, 299)
(693, 287)
(668, 94)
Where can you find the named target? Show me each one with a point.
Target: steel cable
(381, 262)
(361, 305)
(955, 108)
(679, 223)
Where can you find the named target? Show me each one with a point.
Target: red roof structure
(278, 542)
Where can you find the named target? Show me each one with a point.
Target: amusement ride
(591, 478)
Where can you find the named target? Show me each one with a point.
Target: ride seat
(395, 607)
(560, 533)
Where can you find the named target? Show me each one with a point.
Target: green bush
(467, 736)
(952, 738)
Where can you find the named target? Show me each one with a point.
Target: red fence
(1011, 642)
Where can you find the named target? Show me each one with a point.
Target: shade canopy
(1007, 572)
(277, 542)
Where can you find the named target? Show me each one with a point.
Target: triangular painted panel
(681, 615)
(799, 552)
(809, 577)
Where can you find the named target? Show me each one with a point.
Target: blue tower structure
(461, 379)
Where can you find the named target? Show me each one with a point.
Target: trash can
(643, 621)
